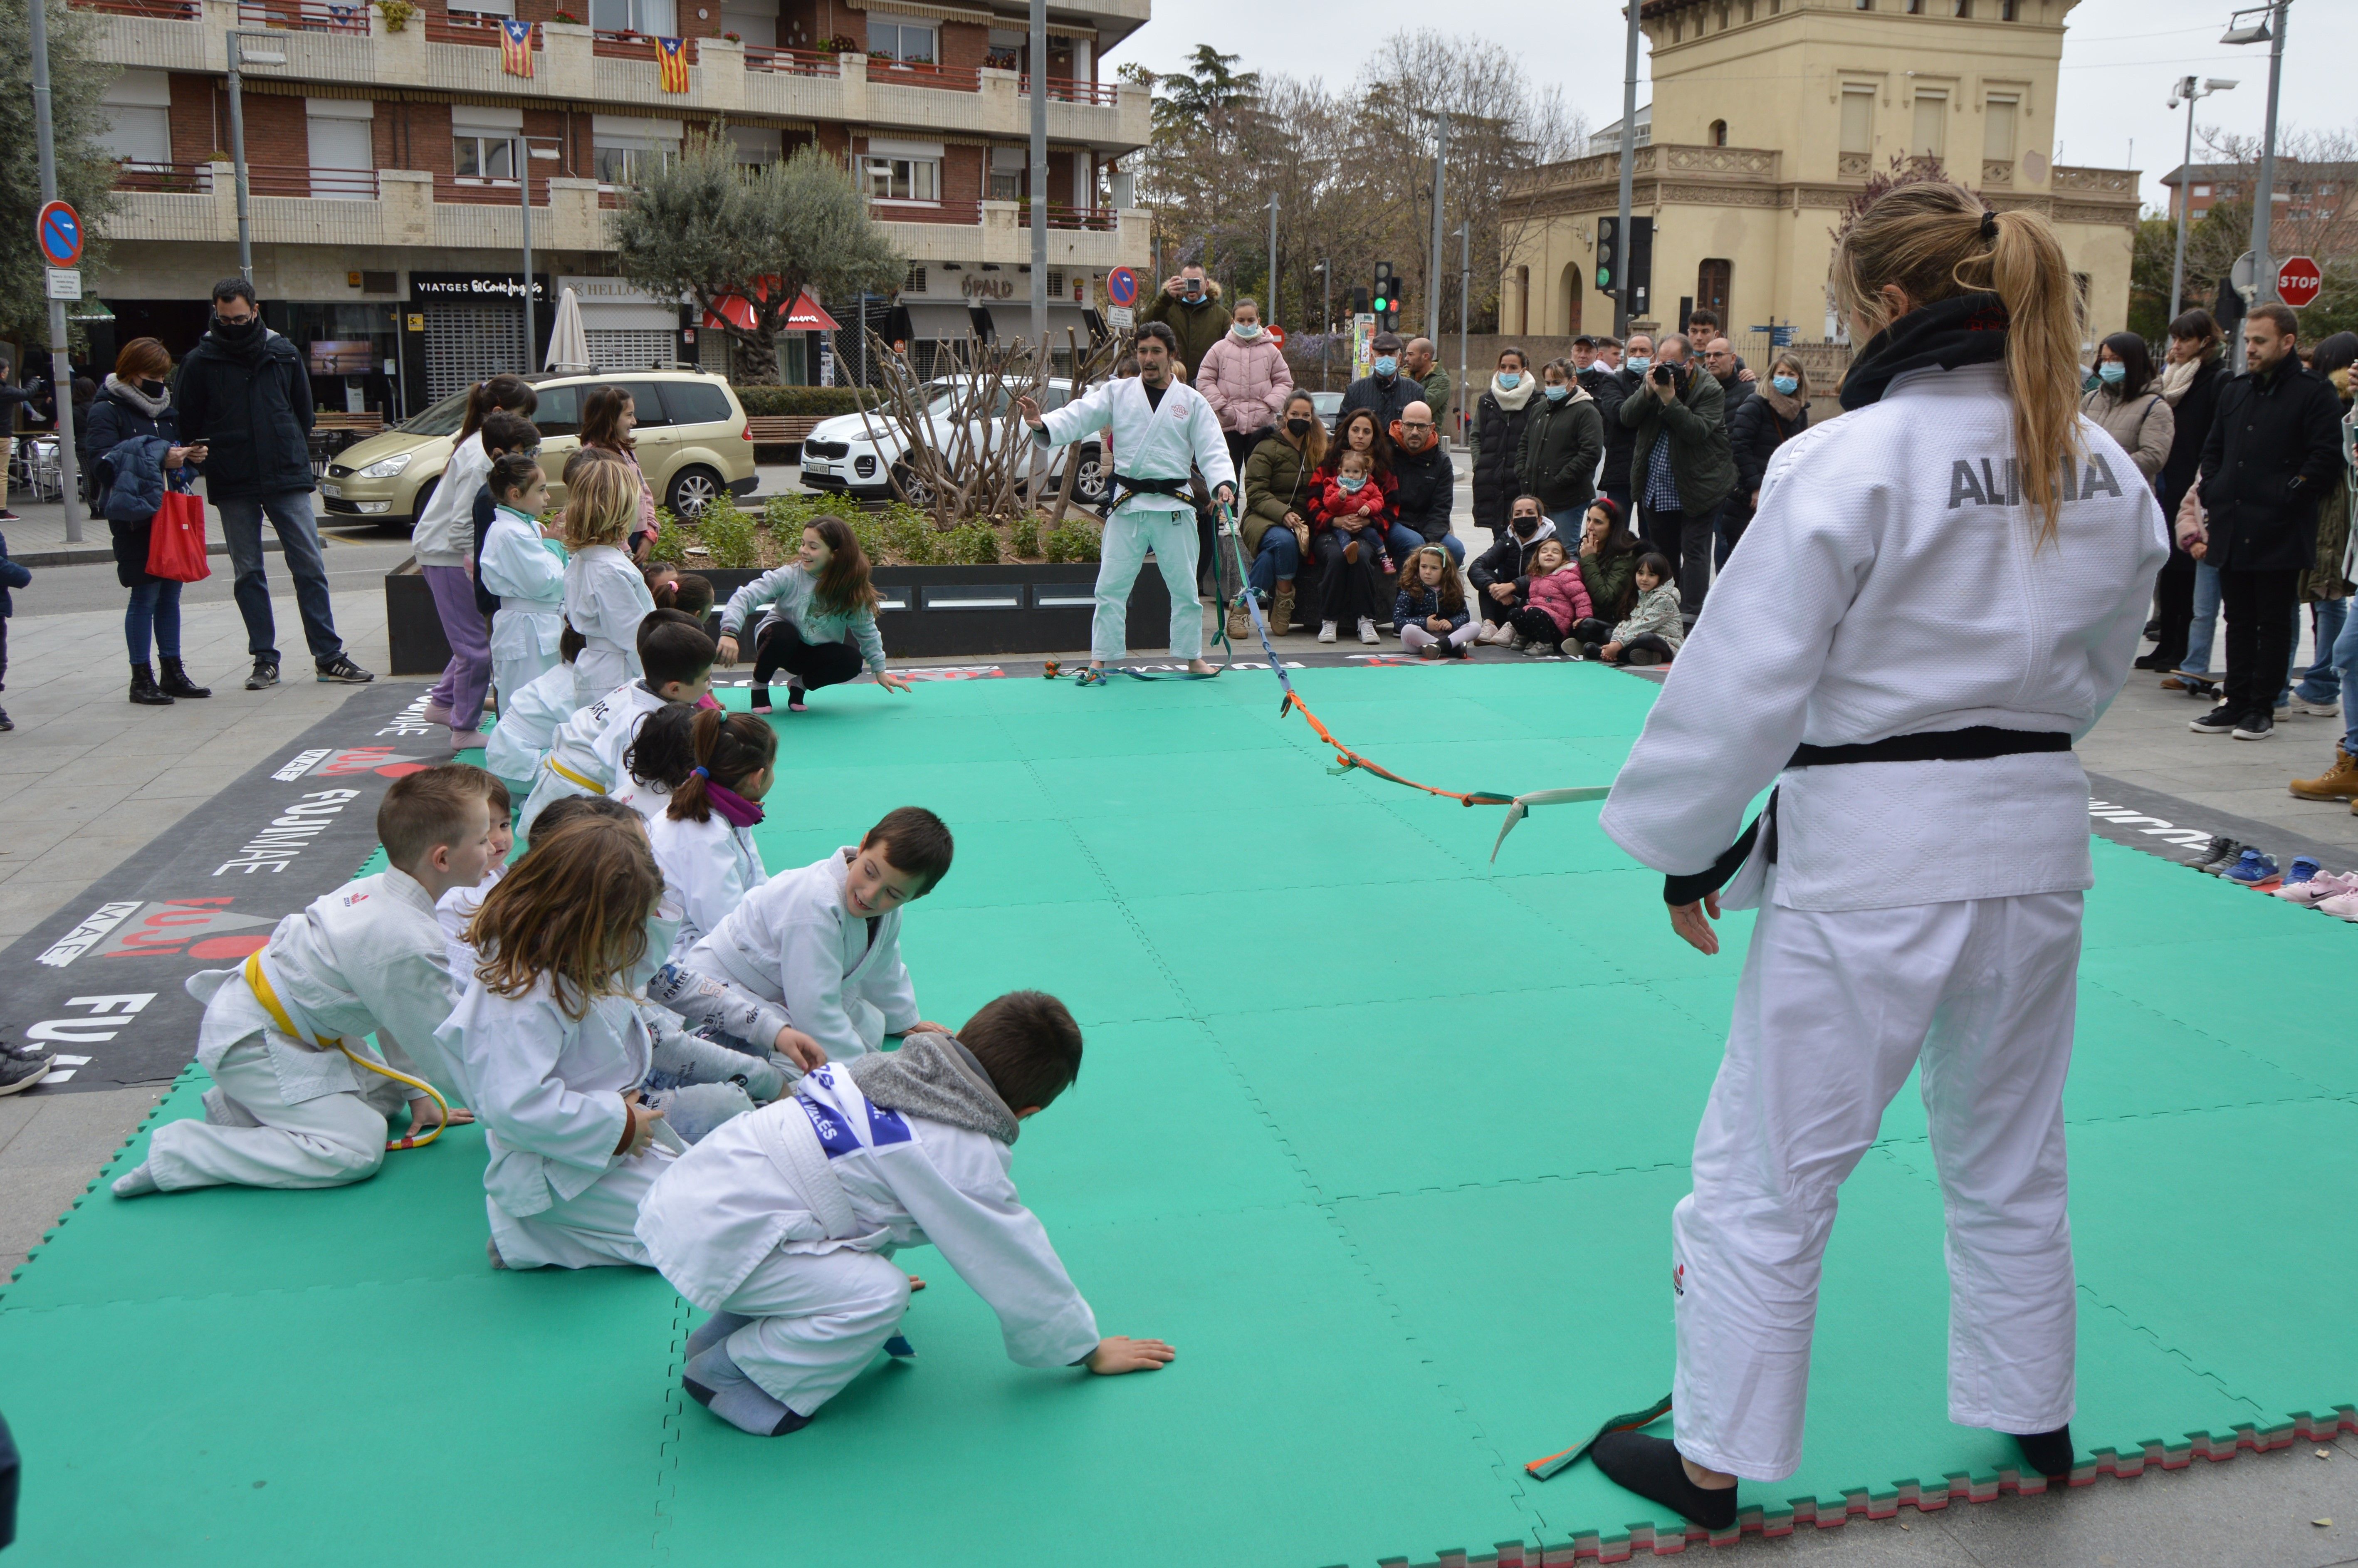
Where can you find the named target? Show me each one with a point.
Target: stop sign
(2298, 282)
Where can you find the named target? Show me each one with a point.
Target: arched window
(1568, 294)
(1523, 301)
(1711, 287)
(1719, 133)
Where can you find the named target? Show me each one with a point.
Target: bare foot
(1709, 1480)
(1197, 666)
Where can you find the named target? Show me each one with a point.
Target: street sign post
(1121, 318)
(64, 282)
(2300, 282)
(1277, 335)
(58, 229)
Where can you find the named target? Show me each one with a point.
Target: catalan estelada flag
(515, 48)
(671, 58)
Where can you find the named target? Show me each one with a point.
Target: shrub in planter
(971, 544)
(786, 402)
(727, 536)
(1073, 542)
(396, 14)
(1025, 534)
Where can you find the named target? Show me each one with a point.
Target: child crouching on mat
(455, 908)
(714, 769)
(1651, 631)
(1430, 609)
(1556, 600)
(825, 941)
(782, 1224)
(585, 755)
(294, 1101)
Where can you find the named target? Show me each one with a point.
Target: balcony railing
(153, 10)
(468, 28)
(164, 178)
(305, 15)
(494, 192)
(1063, 216)
(883, 71)
(636, 45)
(1066, 89)
(793, 63)
(890, 211)
(261, 180)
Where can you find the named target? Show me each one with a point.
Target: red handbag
(176, 540)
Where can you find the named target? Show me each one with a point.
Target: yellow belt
(267, 995)
(562, 771)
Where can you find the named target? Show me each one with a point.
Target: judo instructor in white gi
(1159, 427)
(1942, 593)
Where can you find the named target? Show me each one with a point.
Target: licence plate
(818, 465)
(335, 489)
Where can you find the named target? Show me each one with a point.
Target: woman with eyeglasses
(444, 540)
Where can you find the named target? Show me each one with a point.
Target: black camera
(1665, 375)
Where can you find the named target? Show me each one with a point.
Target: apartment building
(383, 154)
(2301, 191)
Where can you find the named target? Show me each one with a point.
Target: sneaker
(1431, 650)
(1539, 648)
(1496, 634)
(1644, 658)
(6, 723)
(2312, 891)
(2255, 726)
(1367, 632)
(341, 671)
(2341, 906)
(21, 1068)
(1325, 631)
(1384, 564)
(2220, 721)
(2219, 852)
(2331, 707)
(2252, 868)
(2303, 867)
(265, 674)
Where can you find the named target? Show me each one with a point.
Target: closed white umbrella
(568, 344)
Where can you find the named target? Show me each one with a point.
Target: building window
(1997, 128)
(1861, 5)
(138, 115)
(910, 42)
(904, 179)
(622, 162)
(2201, 190)
(1930, 139)
(658, 18)
(1719, 133)
(1965, 10)
(2006, 10)
(480, 158)
(1711, 287)
(1858, 121)
(915, 282)
(1915, 7)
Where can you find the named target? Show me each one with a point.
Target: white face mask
(1248, 330)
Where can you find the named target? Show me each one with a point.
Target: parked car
(1327, 406)
(692, 442)
(861, 457)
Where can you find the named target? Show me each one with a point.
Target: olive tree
(707, 226)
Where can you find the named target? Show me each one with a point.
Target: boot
(144, 690)
(1281, 614)
(2339, 782)
(176, 681)
(1239, 622)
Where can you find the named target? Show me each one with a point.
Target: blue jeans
(154, 607)
(2321, 682)
(2345, 661)
(2206, 621)
(290, 517)
(1404, 541)
(1279, 558)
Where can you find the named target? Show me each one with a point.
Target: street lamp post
(1464, 271)
(239, 57)
(2270, 31)
(1325, 318)
(1433, 275)
(1629, 169)
(1040, 183)
(2190, 91)
(60, 357)
(525, 153)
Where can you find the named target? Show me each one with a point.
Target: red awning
(806, 316)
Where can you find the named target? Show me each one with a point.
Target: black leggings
(1532, 622)
(816, 665)
(1594, 633)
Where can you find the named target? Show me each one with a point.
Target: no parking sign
(1121, 287)
(59, 230)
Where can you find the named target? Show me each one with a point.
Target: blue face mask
(1350, 482)
(2111, 372)
(1508, 380)
(1787, 384)
(1387, 367)
(1639, 362)
(1557, 393)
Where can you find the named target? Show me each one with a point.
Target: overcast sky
(2120, 57)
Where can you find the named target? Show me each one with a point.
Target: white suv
(860, 457)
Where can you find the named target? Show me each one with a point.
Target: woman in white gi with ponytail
(1160, 426)
(1940, 593)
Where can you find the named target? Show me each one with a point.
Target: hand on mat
(1687, 920)
(1117, 1354)
(891, 682)
(724, 651)
(425, 1116)
(642, 1127)
(805, 1052)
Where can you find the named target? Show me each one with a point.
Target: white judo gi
(789, 1214)
(527, 725)
(368, 958)
(791, 941)
(1152, 441)
(548, 1091)
(1917, 911)
(708, 868)
(528, 571)
(605, 599)
(585, 755)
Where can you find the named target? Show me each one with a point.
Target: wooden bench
(780, 429)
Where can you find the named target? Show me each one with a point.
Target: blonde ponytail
(1936, 241)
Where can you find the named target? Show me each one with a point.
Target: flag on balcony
(515, 46)
(671, 58)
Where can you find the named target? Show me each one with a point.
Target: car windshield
(443, 419)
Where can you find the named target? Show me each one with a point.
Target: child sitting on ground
(1653, 632)
(1555, 601)
(714, 769)
(1430, 609)
(585, 755)
(692, 594)
(299, 1098)
(521, 568)
(781, 1223)
(455, 908)
(825, 941)
(605, 597)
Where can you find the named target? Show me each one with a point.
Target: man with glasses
(1428, 486)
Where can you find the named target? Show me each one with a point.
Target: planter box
(930, 612)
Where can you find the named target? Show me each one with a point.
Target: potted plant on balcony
(396, 14)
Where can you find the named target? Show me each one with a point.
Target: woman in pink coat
(1245, 378)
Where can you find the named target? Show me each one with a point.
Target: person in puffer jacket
(1429, 612)
(1555, 601)
(1245, 378)
(1653, 629)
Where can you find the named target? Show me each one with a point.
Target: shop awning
(806, 316)
(937, 322)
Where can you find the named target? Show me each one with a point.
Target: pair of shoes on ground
(1652, 1467)
(1441, 648)
(2192, 685)
(2333, 893)
(1496, 634)
(338, 670)
(150, 692)
(1367, 632)
(2224, 721)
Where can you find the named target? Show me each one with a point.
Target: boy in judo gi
(825, 941)
(782, 1223)
(1160, 426)
(585, 756)
(289, 1107)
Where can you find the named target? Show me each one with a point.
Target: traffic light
(1358, 302)
(1640, 259)
(1386, 294)
(1608, 250)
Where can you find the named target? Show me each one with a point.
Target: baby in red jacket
(1353, 491)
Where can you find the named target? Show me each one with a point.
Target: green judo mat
(1383, 1137)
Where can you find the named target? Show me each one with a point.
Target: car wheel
(1090, 485)
(417, 505)
(910, 488)
(692, 490)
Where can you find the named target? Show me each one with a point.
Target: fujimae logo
(331, 762)
(199, 928)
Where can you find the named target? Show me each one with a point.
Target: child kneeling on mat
(782, 1224)
(585, 755)
(299, 1098)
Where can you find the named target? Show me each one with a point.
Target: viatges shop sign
(442, 286)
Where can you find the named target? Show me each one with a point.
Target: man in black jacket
(1387, 389)
(243, 394)
(1611, 390)
(2270, 457)
(1428, 487)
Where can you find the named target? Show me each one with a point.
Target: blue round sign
(1121, 285)
(58, 229)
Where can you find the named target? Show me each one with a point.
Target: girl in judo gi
(715, 768)
(528, 722)
(818, 622)
(523, 563)
(605, 597)
(782, 1223)
(585, 754)
(1941, 591)
(1159, 425)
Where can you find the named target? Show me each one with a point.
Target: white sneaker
(2319, 887)
(2344, 905)
(1496, 634)
(2317, 709)
(1325, 631)
(1367, 632)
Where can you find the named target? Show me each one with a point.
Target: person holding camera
(1681, 465)
(1190, 306)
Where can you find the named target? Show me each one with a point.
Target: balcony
(329, 42)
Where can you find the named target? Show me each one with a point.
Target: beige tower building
(1769, 116)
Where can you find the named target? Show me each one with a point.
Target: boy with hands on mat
(781, 1223)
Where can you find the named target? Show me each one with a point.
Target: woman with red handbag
(134, 453)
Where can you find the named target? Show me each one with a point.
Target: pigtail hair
(663, 754)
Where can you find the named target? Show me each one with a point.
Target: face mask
(2111, 372)
(1298, 426)
(1248, 330)
(152, 388)
(1557, 393)
(1787, 384)
(1639, 363)
(1508, 380)
(1350, 482)
(237, 330)
(1525, 526)
(1387, 367)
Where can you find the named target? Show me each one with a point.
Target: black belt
(1179, 489)
(1976, 743)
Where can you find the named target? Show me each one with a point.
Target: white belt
(792, 1146)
